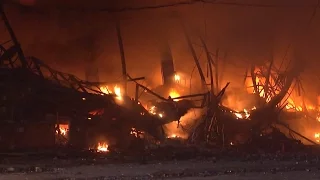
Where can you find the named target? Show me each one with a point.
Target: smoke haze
(69, 40)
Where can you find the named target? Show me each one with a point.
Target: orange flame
(116, 91)
(102, 147)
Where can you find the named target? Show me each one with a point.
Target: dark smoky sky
(68, 38)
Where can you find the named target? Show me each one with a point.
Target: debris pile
(99, 116)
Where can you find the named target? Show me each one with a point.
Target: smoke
(184, 129)
(69, 40)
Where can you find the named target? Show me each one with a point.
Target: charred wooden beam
(194, 55)
(209, 58)
(147, 89)
(295, 132)
(13, 37)
(113, 82)
(123, 59)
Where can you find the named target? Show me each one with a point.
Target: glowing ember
(135, 132)
(152, 110)
(102, 147)
(243, 115)
(173, 136)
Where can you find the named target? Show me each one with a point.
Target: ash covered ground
(205, 165)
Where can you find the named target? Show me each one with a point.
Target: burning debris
(102, 147)
(99, 110)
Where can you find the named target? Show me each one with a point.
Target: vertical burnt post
(123, 59)
(194, 55)
(136, 98)
(167, 66)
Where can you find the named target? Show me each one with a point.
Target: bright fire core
(102, 147)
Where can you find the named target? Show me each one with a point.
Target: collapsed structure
(45, 108)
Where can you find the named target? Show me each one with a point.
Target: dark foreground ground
(164, 164)
(191, 169)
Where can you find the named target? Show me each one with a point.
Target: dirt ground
(188, 170)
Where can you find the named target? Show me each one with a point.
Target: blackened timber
(194, 55)
(123, 60)
(167, 66)
(147, 89)
(295, 132)
(209, 64)
(13, 37)
(137, 93)
(101, 83)
(217, 71)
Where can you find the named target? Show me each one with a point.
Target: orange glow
(136, 133)
(243, 115)
(102, 147)
(105, 90)
(63, 128)
(174, 94)
(177, 78)
(116, 91)
(172, 136)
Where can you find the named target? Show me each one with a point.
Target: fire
(177, 78)
(105, 90)
(174, 94)
(173, 136)
(102, 147)
(136, 133)
(291, 105)
(153, 111)
(116, 91)
(317, 137)
(245, 114)
(63, 128)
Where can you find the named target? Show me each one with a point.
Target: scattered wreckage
(43, 108)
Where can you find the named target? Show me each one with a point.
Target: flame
(291, 105)
(102, 147)
(245, 114)
(116, 91)
(136, 133)
(177, 78)
(172, 136)
(63, 128)
(174, 94)
(105, 90)
(153, 111)
(317, 137)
